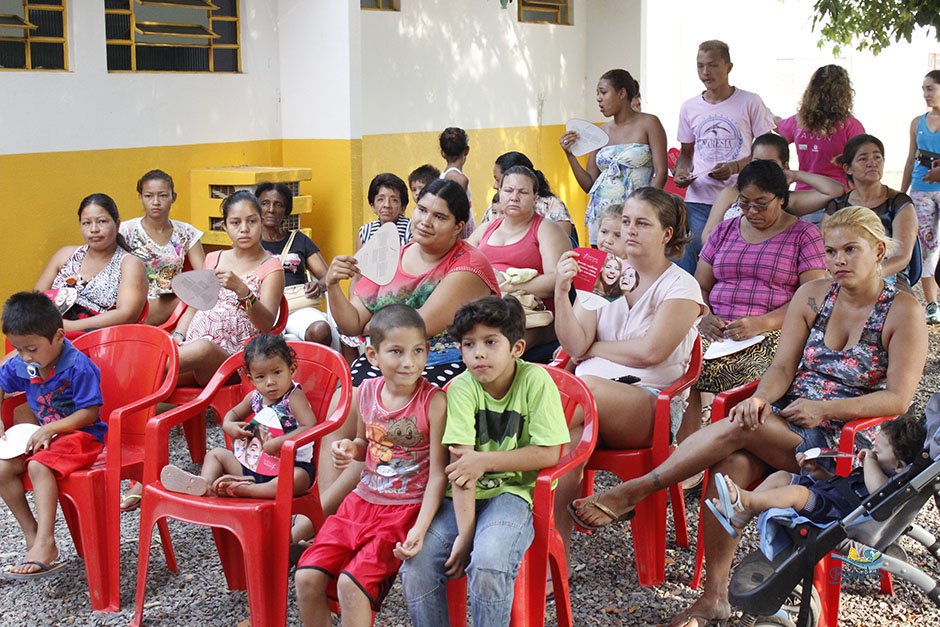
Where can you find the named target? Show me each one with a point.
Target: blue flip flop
(726, 515)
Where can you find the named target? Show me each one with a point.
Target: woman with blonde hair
(822, 124)
(852, 347)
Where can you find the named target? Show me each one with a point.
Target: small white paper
(729, 347)
(590, 137)
(267, 417)
(815, 453)
(13, 442)
(197, 288)
(378, 258)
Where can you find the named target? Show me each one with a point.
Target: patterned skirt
(738, 368)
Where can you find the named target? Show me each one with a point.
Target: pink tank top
(398, 454)
(522, 254)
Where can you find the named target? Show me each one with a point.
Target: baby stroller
(800, 561)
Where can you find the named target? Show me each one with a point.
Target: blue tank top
(929, 141)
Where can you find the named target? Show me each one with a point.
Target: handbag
(296, 294)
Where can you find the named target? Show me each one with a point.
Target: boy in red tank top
(400, 415)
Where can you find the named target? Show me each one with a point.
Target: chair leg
(100, 538)
(143, 559)
(829, 589)
(557, 561)
(677, 499)
(700, 540)
(887, 586)
(267, 595)
(232, 558)
(457, 602)
(194, 430)
(167, 542)
(649, 539)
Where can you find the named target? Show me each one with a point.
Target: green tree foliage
(873, 24)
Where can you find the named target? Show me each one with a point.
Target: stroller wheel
(788, 613)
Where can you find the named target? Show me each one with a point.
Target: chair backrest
(135, 362)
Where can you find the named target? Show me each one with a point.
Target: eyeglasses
(744, 205)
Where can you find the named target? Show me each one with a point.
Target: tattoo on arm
(657, 483)
(813, 305)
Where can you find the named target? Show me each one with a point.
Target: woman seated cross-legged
(851, 347)
(648, 333)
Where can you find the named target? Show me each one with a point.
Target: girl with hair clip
(634, 157)
(922, 176)
(455, 146)
(111, 283)
(164, 245)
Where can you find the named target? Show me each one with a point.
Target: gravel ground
(604, 589)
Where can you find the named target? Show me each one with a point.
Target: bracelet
(249, 300)
(175, 333)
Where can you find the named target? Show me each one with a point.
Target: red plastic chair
(829, 592)
(672, 157)
(547, 549)
(228, 396)
(252, 535)
(649, 524)
(139, 367)
(73, 335)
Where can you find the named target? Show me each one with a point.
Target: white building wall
(468, 63)
(87, 108)
(614, 40)
(320, 68)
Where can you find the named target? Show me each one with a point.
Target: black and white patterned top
(98, 294)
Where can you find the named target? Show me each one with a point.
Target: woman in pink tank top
(523, 239)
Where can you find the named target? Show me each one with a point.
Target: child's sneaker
(933, 313)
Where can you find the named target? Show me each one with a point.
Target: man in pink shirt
(716, 129)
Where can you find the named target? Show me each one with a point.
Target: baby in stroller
(805, 547)
(819, 496)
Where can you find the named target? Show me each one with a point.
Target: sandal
(227, 484)
(176, 479)
(130, 502)
(606, 511)
(728, 516)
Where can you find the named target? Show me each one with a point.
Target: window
(32, 35)
(381, 5)
(172, 35)
(544, 11)
(933, 61)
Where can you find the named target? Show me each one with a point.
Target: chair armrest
(285, 483)
(728, 399)
(11, 402)
(174, 318)
(561, 360)
(847, 440)
(157, 432)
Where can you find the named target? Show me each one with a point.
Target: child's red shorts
(358, 540)
(68, 452)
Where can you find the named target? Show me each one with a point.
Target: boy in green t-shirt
(504, 424)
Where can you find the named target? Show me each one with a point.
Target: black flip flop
(44, 570)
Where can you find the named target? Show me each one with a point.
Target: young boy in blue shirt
(505, 423)
(63, 389)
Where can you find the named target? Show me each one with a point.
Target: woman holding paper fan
(252, 285)
(634, 157)
(437, 273)
(749, 269)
